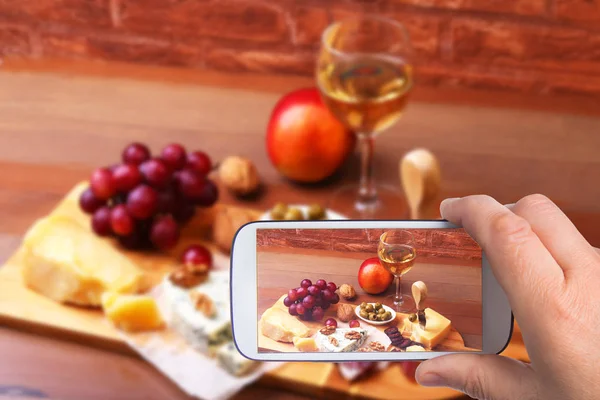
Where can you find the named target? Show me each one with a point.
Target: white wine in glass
(365, 76)
(397, 254)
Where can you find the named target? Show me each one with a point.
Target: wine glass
(397, 254)
(364, 75)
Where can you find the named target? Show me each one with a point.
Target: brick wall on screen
(541, 46)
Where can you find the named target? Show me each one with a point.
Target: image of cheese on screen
(436, 330)
(70, 264)
(201, 332)
(337, 342)
(131, 312)
(279, 325)
(305, 344)
(232, 361)
(415, 348)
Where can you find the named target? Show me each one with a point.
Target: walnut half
(203, 303)
(187, 275)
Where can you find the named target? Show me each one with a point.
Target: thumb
(480, 376)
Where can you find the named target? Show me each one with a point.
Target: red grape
(197, 255)
(301, 292)
(89, 203)
(325, 305)
(354, 323)
(120, 221)
(321, 284)
(292, 310)
(135, 153)
(132, 241)
(331, 322)
(101, 222)
(306, 283)
(102, 183)
(308, 301)
(156, 173)
(126, 176)
(331, 286)
(142, 202)
(328, 295)
(314, 290)
(190, 184)
(184, 212)
(210, 194)
(318, 313)
(199, 162)
(164, 233)
(166, 201)
(293, 295)
(336, 298)
(174, 156)
(287, 301)
(307, 316)
(300, 309)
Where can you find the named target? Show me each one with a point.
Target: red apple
(373, 278)
(305, 142)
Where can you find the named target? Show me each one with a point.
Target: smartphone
(349, 290)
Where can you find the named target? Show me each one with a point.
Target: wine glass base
(407, 306)
(389, 203)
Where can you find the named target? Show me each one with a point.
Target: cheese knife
(419, 292)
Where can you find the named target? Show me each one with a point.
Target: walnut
(204, 304)
(345, 312)
(376, 346)
(239, 175)
(347, 292)
(187, 275)
(352, 335)
(227, 221)
(365, 350)
(333, 341)
(327, 330)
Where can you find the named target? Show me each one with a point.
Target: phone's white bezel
(496, 312)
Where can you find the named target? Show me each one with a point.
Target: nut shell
(347, 292)
(345, 312)
(239, 175)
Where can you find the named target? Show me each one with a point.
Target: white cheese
(324, 342)
(233, 362)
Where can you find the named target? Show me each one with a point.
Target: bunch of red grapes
(144, 200)
(309, 301)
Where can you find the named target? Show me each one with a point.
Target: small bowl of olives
(299, 212)
(375, 313)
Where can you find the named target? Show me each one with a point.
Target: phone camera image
(368, 290)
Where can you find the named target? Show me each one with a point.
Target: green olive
(378, 306)
(381, 317)
(412, 317)
(363, 305)
(381, 311)
(370, 308)
(387, 315)
(315, 211)
(364, 314)
(277, 215)
(293, 214)
(279, 209)
(373, 317)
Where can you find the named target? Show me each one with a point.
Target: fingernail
(510, 206)
(446, 202)
(430, 379)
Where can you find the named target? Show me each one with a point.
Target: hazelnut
(347, 292)
(239, 175)
(345, 312)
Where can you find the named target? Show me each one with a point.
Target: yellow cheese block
(415, 348)
(70, 264)
(436, 330)
(305, 344)
(132, 313)
(279, 325)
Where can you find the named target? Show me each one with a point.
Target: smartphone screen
(368, 290)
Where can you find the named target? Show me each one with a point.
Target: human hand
(551, 276)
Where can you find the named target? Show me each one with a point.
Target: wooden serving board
(25, 309)
(454, 341)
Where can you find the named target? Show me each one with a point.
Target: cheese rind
(70, 264)
(436, 330)
(305, 345)
(279, 325)
(132, 313)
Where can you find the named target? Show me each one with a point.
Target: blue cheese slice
(203, 333)
(338, 341)
(233, 362)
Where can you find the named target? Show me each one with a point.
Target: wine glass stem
(367, 194)
(398, 299)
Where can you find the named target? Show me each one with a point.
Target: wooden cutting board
(25, 309)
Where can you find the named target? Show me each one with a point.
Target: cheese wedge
(415, 348)
(279, 325)
(436, 330)
(305, 344)
(132, 313)
(70, 264)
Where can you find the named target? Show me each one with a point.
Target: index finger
(519, 260)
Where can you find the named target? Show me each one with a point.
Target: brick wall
(541, 46)
(445, 243)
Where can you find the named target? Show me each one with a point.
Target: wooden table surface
(59, 120)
